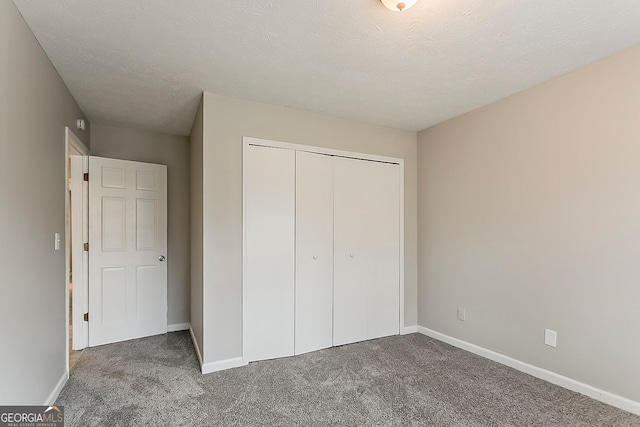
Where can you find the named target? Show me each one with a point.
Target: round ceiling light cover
(398, 5)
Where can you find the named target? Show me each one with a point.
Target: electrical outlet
(462, 314)
(550, 337)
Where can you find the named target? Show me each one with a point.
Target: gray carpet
(395, 381)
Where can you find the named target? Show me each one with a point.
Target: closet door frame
(247, 141)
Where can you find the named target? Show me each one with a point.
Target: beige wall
(197, 320)
(173, 151)
(529, 217)
(35, 106)
(226, 121)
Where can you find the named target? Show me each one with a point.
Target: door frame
(74, 146)
(246, 141)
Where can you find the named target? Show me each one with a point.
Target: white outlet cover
(462, 315)
(550, 337)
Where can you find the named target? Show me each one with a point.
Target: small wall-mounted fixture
(398, 6)
(80, 124)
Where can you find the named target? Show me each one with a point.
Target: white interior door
(268, 261)
(366, 250)
(127, 250)
(314, 252)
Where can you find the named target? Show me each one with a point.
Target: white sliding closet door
(314, 252)
(269, 224)
(366, 250)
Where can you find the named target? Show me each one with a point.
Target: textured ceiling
(143, 63)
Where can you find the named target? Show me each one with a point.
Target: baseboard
(409, 330)
(178, 327)
(557, 379)
(221, 365)
(195, 346)
(58, 388)
(210, 367)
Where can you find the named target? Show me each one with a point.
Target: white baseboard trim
(58, 388)
(409, 330)
(195, 346)
(557, 379)
(178, 327)
(210, 367)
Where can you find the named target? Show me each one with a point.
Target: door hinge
(85, 176)
(86, 247)
(86, 317)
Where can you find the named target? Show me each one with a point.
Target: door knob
(315, 257)
(161, 258)
(351, 255)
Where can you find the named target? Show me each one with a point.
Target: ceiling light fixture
(398, 6)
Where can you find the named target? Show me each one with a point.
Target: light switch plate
(56, 241)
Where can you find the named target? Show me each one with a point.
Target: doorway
(76, 231)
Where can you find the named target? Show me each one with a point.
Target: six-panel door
(128, 249)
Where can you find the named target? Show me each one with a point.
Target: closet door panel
(269, 223)
(350, 246)
(366, 287)
(383, 251)
(314, 252)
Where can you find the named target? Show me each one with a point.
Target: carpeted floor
(395, 381)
